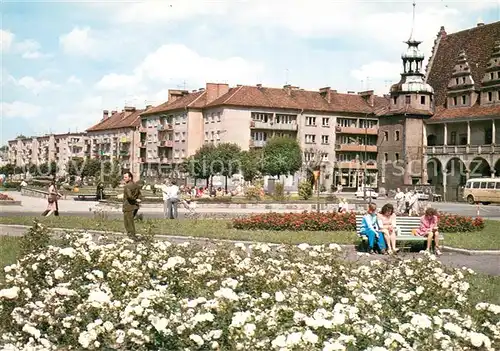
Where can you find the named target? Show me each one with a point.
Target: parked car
(370, 193)
(422, 196)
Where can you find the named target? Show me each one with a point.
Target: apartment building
(330, 126)
(59, 148)
(116, 137)
(447, 123)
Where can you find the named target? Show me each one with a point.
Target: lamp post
(316, 174)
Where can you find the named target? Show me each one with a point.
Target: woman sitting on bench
(429, 229)
(371, 229)
(387, 224)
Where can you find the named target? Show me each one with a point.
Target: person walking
(172, 200)
(400, 201)
(164, 191)
(52, 203)
(131, 201)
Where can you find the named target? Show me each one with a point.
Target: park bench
(406, 225)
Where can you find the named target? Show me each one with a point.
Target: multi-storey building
(330, 127)
(116, 137)
(447, 125)
(59, 148)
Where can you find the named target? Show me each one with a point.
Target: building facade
(116, 138)
(447, 128)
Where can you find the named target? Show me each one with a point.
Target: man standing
(131, 200)
(164, 191)
(400, 202)
(172, 199)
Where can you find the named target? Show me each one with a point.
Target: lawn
(487, 239)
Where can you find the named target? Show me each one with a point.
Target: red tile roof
(118, 120)
(407, 110)
(296, 99)
(443, 113)
(193, 100)
(477, 42)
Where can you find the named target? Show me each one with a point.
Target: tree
(92, 168)
(4, 148)
(251, 162)
(202, 163)
(281, 156)
(227, 160)
(8, 169)
(111, 173)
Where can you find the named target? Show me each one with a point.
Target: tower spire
(412, 22)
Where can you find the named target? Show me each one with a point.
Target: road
(486, 264)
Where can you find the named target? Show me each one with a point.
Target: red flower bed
(325, 221)
(334, 221)
(4, 197)
(449, 223)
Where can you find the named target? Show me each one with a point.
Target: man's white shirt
(173, 192)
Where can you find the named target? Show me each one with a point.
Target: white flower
(293, 339)
(197, 339)
(310, 337)
(249, 329)
(419, 290)
(99, 297)
(279, 342)
(279, 296)
(478, 340)
(303, 246)
(227, 293)
(32, 331)
(68, 251)
(421, 321)
(10, 293)
(58, 274)
(172, 262)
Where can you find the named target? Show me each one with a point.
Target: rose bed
(161, 296)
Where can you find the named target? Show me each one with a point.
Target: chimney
(259, 85)
(442, 32)
(114, 113)
(350, 92)
(174, 94)
(288, 88)
(215, 91)
(326, 94)
(480, 22)
(369, 96)
(129, 108)
(148, 107)
(105, 114)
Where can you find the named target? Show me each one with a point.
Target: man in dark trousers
(131, 201)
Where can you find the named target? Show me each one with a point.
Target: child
(370, 228)
(387, 223)
(429, 228)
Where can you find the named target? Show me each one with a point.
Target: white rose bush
(105, 295)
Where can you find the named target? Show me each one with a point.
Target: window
(498, 97)
(310, 138)
(286, 119)
(345, 122)
(324, 139)
(422, 100)
(386, 136)
(324, 157)
(325, 122)
(464, 99)
(490, 96)
(259, 136)
(218, 116)
(367, 123)
(468, 185)
(463, 80)
(453, 138)
(310, 121)
(386, 157)
(176, 137)
(491, 185)
(396, 135)
(396, 157)
(395, 100)
(498, 185)
(308, 156)
(492, 76)
(408, 99)
(183, 136)
(475, 185)
(483, 185)
(456, 81)
(262, 117)
(455, 101)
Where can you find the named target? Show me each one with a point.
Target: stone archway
(431, 140)
(479, 167)
(496, 168)
(456, 176)
(434, 172)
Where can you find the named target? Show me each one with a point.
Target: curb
(204, 239)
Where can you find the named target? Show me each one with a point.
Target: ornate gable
(490, 84)
(461, 86)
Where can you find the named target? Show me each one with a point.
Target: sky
(63, 62)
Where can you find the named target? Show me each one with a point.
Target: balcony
(273, 126)
(164, 127)
(165, 159)
(355, 148)
(257, 143)
(166, 143)
(356, 165)
(355, 130)
(124, 140)
(124, 153)
(462, 149)
(142, 144)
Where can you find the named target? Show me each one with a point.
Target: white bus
(483, 190)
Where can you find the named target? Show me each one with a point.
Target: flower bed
(180, 297)
(4, 197)
(327, 221)
(334, 221)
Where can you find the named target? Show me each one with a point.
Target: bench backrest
(406, 224)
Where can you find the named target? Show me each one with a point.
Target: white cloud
(80, 41)
(74, 80)
(19, 109)
(114, 81)
(34, 85)
(377, 75)
(6, 39)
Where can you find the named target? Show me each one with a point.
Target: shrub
(163, 296)
(11, 185)
(279, 192)
(35, 239)
(4, 197)
(449, 223)
(253, 193)
(312, 221)
(305, 190)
